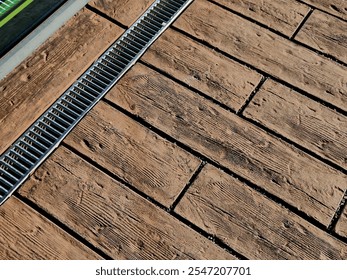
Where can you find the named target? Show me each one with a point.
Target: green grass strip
(15, 12)
(5, 6)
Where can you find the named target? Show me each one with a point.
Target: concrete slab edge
(32, 41)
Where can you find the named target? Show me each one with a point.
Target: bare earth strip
(30, 89)
(230, 141)
(25, 234)
(110, 216)
(240, 217)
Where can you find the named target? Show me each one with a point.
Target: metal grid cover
(40, 140)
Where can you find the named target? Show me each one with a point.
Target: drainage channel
(45, 135)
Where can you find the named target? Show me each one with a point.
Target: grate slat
(139, 33)
(83, 94)
(92, 92)
(32, 149)
(119, 50)
(3, 190)
(48, 129)
(7, 175)
(155, 19)
(136, 39)
(119, 60)
(66, 111)
(61, 115)
(92, 84)
(106, 80)
(108, 69)
(95, 82)
(6, 168)
(170, 3)
(110, 61)
(77, 102)
(97, 77)
(25, 154)
(36, 143)
(133, 45)
(138, 28)
(152, 23)
(58, 121)
(96, 89)
(40, 140)
(21, 160)
(157, 13)
(127, 48)
(48, 119)
(102, 72)
(18, 161)
(163, 11)
(167, 7)
(12, 162)
(147, 27)
(6, 186)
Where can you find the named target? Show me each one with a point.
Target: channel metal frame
(45, 135)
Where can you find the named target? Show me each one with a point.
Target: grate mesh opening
(33, 147)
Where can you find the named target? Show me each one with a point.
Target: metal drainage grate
(33, 147)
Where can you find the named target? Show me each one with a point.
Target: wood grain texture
(34, 85)
(110, 216)
(335, 7)
(26, 235)
(134, 153)
(281, 15)
(124, 11)
(202, 68)
(301, 120)
(240, 216)
(267, 51)
(341, 226)
(326, 34)
(230, 141)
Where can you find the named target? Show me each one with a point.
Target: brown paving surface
(341, 227)
(26, 234)
(334, 7)
(227, 140)
(326, 34)
(40, 80)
